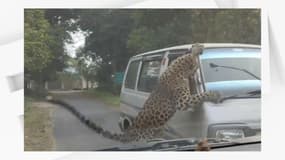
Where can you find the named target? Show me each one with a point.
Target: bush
(36, 93)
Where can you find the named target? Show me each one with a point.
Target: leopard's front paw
(215, 96)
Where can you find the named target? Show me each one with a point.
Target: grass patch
(38, 130)
(105, 96)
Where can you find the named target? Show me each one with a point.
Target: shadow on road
(72, 135)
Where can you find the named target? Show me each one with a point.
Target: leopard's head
(188, 63)
(197, 49)
(191, 57)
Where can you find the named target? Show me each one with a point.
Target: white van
(231, 69)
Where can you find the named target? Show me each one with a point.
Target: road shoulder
(38, 125)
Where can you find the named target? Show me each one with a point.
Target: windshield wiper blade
(255, 92)
(251, 94)
(213, 65)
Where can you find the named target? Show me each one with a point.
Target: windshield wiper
(212, 65)
(255, 92)
(249, 94)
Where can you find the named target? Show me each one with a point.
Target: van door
(128, 97)
(148, 77)
(147, 74)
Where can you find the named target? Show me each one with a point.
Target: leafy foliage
(113, 36)
(109, 30)
(226, 26)
(37, 38)
(156, 29)
(45, 36)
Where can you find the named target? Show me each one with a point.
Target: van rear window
(172, 57)
(131, 76)
(175, 54)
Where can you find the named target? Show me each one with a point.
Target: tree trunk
(114, 70)
(87, 84)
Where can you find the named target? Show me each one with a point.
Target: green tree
(227, 26)
(108, 32)
(156, 29)
(45, 38)
(115, 35)
(37, 52)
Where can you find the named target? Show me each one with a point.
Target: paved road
(71, 135)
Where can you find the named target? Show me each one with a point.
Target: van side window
(172, 57)
(175, 54)
(149, 75)
(131, 76)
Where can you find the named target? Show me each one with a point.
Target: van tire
(125, 123)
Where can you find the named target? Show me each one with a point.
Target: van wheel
(125, 123)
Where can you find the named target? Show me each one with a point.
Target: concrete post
(46, 85)
(62, 85)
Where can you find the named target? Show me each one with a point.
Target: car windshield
(231, 70)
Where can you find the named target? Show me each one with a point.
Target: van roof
(206, 45)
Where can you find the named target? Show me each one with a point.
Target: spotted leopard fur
(171, 94)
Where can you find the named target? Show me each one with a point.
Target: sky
(78, 39)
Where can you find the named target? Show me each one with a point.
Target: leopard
(171, 94)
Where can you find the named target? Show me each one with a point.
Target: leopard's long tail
(121, 137)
